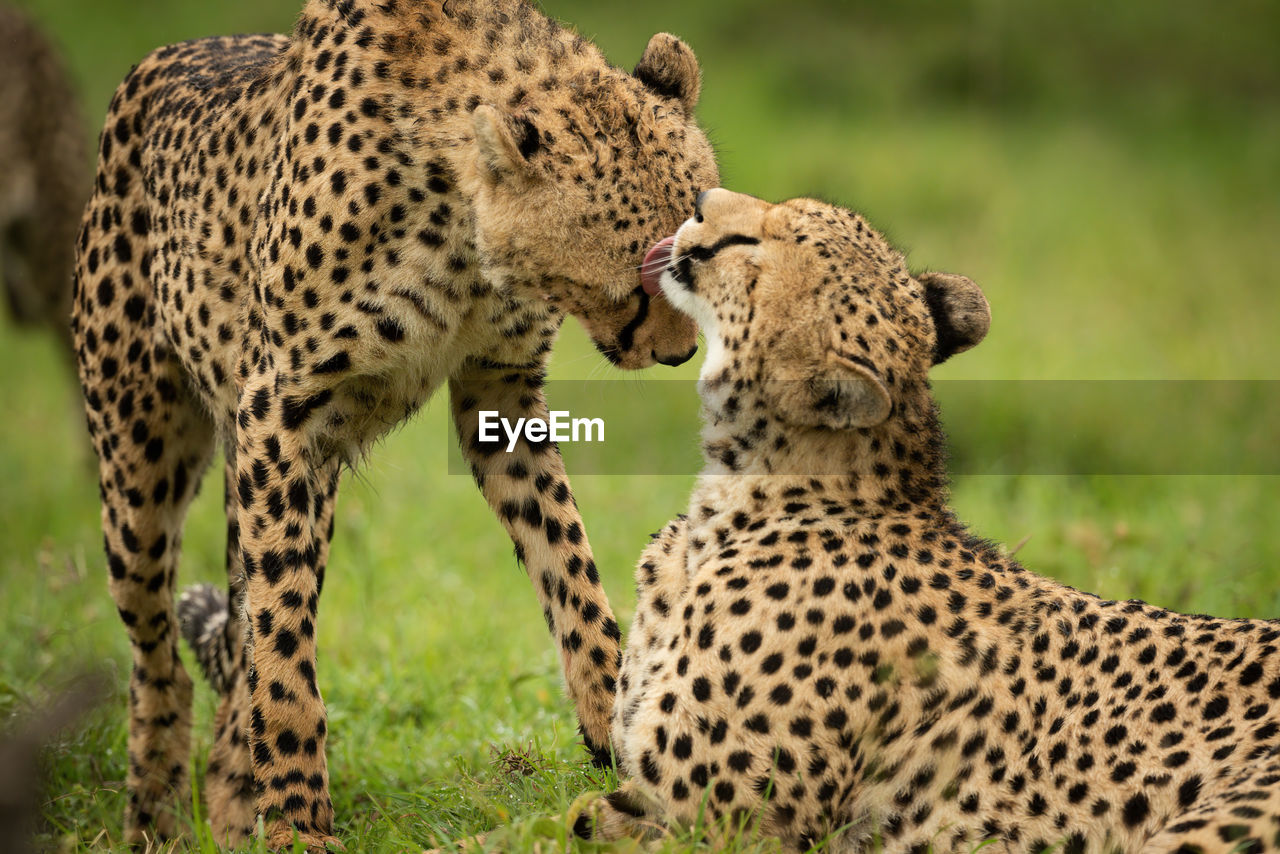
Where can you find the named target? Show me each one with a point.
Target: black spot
(1252, 673)
(287, 743)
(134, 307)
(1216, 707)
(1189, 790)
(272, 565)
(529, 138)
(296, 410)
(106, 292)
(286, 643)
(315, 256)
(701, 689)
(1136, 809)
(334, 364)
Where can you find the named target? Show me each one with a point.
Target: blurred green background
(1109, 173)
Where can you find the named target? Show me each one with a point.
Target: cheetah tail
(203, 614)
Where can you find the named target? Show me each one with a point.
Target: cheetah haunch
(821, 646)
(294, 241)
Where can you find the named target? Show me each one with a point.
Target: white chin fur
(700, 310)
(678, 295)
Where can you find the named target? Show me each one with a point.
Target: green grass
(1122, 225)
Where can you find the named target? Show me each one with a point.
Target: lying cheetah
(44, 176)
(293, 242)
(821, 646)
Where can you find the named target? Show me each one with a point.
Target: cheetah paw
(282, 837)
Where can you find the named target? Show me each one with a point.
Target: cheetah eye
(697, 216)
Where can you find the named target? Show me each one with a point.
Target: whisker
(675, 259)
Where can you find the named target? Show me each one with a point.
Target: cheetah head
(572, 191)
(809, 304)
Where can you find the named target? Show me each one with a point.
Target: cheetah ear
(961, 314)
(504, 144)
(670, 69)
(846, 395)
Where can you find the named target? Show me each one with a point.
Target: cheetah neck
(753, 456)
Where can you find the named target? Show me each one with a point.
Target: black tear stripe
(684, 272)
(626, 338)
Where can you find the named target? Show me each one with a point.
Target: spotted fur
(820, 646)
(292, 243)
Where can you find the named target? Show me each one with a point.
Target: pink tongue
(655, 262)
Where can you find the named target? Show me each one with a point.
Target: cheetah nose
(672, 361)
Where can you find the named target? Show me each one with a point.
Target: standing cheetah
(292, 242)
(44, 176)
(821, 646)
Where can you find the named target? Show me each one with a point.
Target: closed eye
(684, 267)
(704, 253)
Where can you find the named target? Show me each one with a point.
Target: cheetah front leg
(285, 495)
(214, 625)
(529, 491)
(661, 580)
